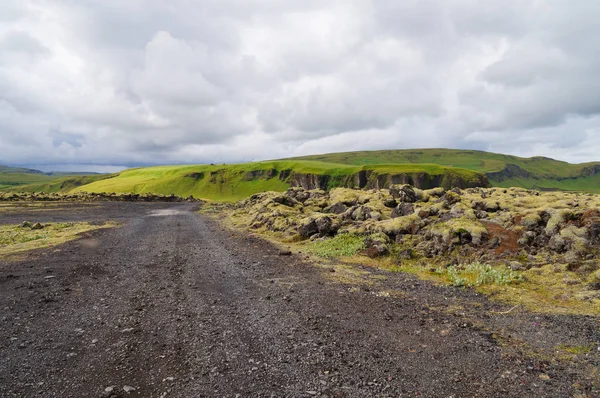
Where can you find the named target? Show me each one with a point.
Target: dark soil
(173, 305)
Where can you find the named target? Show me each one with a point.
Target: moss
(344, 195)
(531, 220)
(15, 239)
(447, 229)
(557, 218)
(399, 225)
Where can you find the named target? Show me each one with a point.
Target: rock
(26, 224)
(285, 252)
(37, 226)
(495, 242)
(516, 266)
(558, 244)
(325, 225)
(308, 228)
(405, 254)
(361, 213)
(285, 200)
(390, 203)
(336, 208)
(403, 209)
(593, 231)
(449, 199)
(404, 193)
(376, 239)
(531, 221)
(481, 214)
(128, 389)
(377, 251)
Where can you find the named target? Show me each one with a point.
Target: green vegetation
(424, 168)
(238, 181)
(16, 238)
(29, 180)
(478, 274)
(342, 245)
(60, 185)
(502, 170)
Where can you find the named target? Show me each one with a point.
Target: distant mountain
(8, 169)
(13, 177)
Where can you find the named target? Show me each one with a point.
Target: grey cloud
(153, 81)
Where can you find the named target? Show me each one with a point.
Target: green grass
(342, 245)
(238, 181)
(544, 173)
(478, 274)
(466, 159)
(60, 184)
(233, 182)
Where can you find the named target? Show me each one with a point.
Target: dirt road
(172, 305)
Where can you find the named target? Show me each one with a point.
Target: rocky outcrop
(510, 171)
(92, 197)
(368, 179)
(509, 226)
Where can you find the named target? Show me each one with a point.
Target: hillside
(501, 170)
(17, 178)
(234, 182)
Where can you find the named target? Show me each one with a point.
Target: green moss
(449, 228)
(342, 245)
(478, 274)
(16, 239)
(399, 225)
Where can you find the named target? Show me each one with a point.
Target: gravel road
(173, 305)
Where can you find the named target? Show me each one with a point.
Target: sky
(105, 84)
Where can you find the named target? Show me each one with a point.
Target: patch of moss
(16, 239)
(340, 245)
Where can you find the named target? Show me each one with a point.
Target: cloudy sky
(127, 82)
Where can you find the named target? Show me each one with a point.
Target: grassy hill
(423, 168)
(501, 170)
(15, 178)
(238, 181)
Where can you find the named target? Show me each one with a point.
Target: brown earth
(174, 305)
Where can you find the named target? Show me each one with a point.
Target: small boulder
(403, 209)
(36, 226)
(516, 266)
(390, 203)
(336, 208)
(325, 225)
(26, 224)
(285, 200)
(376, 251)
(404, 193)
(308, 228)
(405, 254)
(449, 199)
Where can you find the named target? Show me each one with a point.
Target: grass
(56, 185)
(479, 274)
(544, 173)
(234, 182)
(16, 239)
(467, 159)
(342, 245)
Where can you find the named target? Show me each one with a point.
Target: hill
(501, 170)
(238, 181)
(14, 178)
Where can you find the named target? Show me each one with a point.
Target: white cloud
(111, 82)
